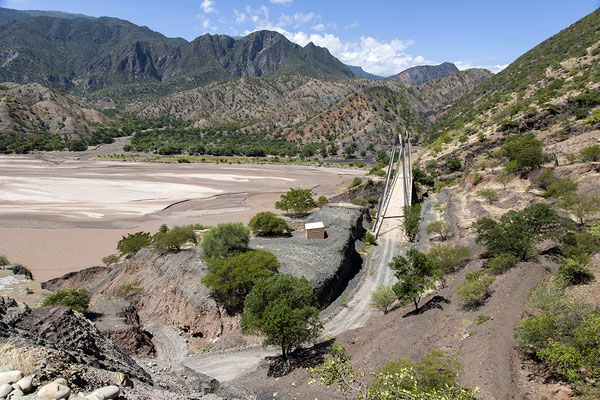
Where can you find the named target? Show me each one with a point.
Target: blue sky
(384, 37)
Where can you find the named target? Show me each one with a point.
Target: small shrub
(226, 239)
(590, 153)
(572, 272)
(412, 217)
(481, 319)
(561, 188)
(440, 228)
(268, 224)
(132, 243)
(475, 289)
(111, 259)
(545, 178)
(175, 238)
(382, 298)
(502, 263)
(537, 329)
(360, 201)
(355, 182)
(369, 239)
(477, 178)
(321, 201)
(3, 261)
(127, 289)
(454, 165)
(566, 359)
(78, 300)
(490, 195)
(449, 258)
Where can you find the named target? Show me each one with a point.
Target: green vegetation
(412, 217)
(481, 319)
(416, 274)
(572, 272)
(382, 298)
(267, 223)
(440, 228)
(297, 202)
(560, 188)
(545, 178)
(284, 309)
(501, 263)
(475, 289)
(132, 243)
(369, 239)
(490, 195)
(321, 201)
(111, 259)
(77, 300)
(174, 238)
(3, 261)
(517, 231)
(225, 240)
(449, 258)
(524, 152)
(128, 289)
(582, 207)
(435, 377)
(232, 279)
(594, 119)
(591, 153)
(355, 182)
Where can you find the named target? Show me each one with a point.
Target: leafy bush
(440, 228)
(454, 165)
(581, 206)
(490, 195)
(590, 153)
(355, 182)
(78, 300)
(449, 258)
(132, 243)
(77, 145)
(545, 178)
(475, 289)
(225, 240)
(412, 217)
(382, 298)
(232, 279)
(565, 358)
(360, 201)
(502, 263)
(111, 259)
(481, 319)
(3, 261)
(517, 231)
(175, 238)
(321, 201)
(594, 119)
(369, 239)
(561, 188)
(525, 151)
(267, 223)
(572, 272)
(298, 201)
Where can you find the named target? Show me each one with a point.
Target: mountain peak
(425, 73)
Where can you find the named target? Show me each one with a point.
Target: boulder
(16, 393)
(109, 392)
(54, 391)
(5, 389)
(25, 383)
(10, 377)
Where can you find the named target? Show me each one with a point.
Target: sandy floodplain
(59, 215)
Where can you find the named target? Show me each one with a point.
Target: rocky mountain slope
(36, 109)
(424, 73)
(85, 55)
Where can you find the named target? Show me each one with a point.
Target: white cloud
(207, 6)
(468, 64)
(302, 18)
(353, 25)
(207, 26)
(240, 17)
(286, 2)
(319, 27)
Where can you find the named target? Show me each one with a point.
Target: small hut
(315, 230)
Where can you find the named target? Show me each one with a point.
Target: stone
(109, 392)
(10, 377)
(122, 380)
(16, 393)
(25, 383)
(5, 389)
(54, 391)
(94, 396)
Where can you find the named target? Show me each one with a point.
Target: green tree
(111, 259)
(561, 188)
(284, 309)
(525, 151)
(382, 298)
(226, 239)
(412, 217)
(232, 279)
(267, 223)
(490, 195)
(297, 201)
(440, 228)
(582, 207)
(175, 238)
(78, 300)
(132, 243)
(416, 274)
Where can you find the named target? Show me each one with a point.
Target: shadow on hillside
(301, 358)
(435, 302)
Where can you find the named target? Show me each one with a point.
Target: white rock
(109, 392)
(61, 381)
(5, 390)
(10, 377)
(16, 393)
(53, 391)
(94, 396)
(25, 383)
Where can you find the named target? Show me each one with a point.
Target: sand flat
(59, 215)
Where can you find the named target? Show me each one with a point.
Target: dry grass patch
(19, 357)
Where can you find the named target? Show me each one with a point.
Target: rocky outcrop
(63, 329)
(327, 264)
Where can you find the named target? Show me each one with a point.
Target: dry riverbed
(60, 214)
